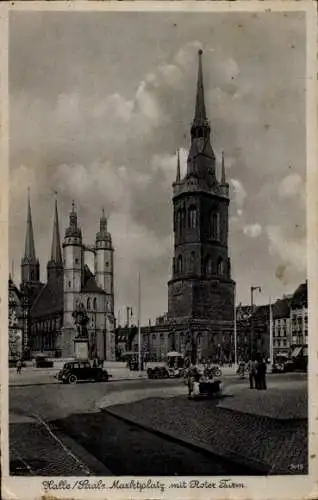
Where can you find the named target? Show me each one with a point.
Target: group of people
(256, 368)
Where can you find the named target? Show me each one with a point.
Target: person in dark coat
(261, 375)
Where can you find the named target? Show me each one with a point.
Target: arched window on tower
(180, 264)
(209, 266)
(94, 303)
(179, 221)
(192, 217)
(184, 217)
(88, 304)
(220, 267)
(214, 226)
(192, 262)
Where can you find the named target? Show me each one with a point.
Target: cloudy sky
(99, 103)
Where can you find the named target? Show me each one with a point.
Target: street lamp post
(253, 289)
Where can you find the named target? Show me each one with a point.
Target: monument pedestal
(81, 348)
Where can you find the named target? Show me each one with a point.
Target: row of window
(47, 325)
(40, 342)
(91, 304)
(182, 221)
(209, 265)
(280, 343)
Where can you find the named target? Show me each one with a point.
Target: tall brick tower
(201, 291)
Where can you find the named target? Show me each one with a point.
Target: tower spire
(56, 255)
(223, 178)
(178, 166)
(200, 112)
(103, 222)
(29, 252)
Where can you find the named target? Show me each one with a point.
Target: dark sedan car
(75, 371)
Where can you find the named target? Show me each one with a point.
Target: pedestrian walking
(252, 369)
(19, 366)
(261, 374)
(241, 369)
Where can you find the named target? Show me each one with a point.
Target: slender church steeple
(29, 251)
(30, 268)
(56, 254)
(223, 178)
(178, 177)
(55, 265)
(200, 112)
(201, 160)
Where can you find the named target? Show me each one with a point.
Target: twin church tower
(200, 292)
(70, 285)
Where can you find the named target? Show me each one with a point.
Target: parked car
(281, 363)
(43, 362)
(75, 371)
(158, 372)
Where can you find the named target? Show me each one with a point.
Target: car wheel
(72, 379)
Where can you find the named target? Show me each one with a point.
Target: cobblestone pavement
(35, 450)
(128, 450)
(272, 445)
(52, 402)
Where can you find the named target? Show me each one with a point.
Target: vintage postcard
(159, 250)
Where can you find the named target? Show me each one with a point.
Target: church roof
(89, 282)
(50, 301)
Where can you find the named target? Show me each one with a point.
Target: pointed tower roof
(178, 177)
(29, 252)
(73, 230)
(200, 111)
(56, 254)
(103, 234)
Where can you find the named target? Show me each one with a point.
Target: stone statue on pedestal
(81, 321)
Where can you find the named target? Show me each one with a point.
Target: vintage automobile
(280, 364)
(172, 367)
(42, 361)
(75, 371)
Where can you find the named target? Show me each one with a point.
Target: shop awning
(296, 352)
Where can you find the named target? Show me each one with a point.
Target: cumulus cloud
(252, 230)
(291, 251)
(291, 186)
(239, 193)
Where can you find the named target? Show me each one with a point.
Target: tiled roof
(89, 283)
(50, 300)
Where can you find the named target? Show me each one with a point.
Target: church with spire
(49, 308)
(201, 290)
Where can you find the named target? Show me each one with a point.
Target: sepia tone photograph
(158, 285)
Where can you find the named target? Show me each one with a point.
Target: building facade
(299, 319)
(48, 324)
(16, 340)
(282, 326)
(201, 290)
